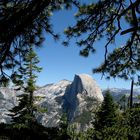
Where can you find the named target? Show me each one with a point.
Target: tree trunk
(131, 94)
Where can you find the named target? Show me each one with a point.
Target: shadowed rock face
(82, 87)
(72, 97)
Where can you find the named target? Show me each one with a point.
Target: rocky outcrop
(53, 99)
(8, 99)
(83, 91)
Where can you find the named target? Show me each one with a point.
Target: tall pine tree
(105, 117)
(23, 114)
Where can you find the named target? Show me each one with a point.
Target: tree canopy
(110, 19)
(23, 23)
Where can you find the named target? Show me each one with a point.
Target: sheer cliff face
(85, 85)
(72, 97)
(78, 95)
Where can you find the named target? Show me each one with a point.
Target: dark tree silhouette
(106, 19)
(23, 23)
(106, 116)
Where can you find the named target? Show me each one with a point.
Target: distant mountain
(123, 91)
(75, 98)
(118, 93)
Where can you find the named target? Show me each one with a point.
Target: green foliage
(72, 131)
(104, 20)
(107, 114)
(10, 132)
(21, 114)
(24, 113)
(110, 124)
(63, 127)
(133, 116)
(23, 24)
(127, 128)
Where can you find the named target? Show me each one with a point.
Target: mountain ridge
(76, 98)
(54, 97)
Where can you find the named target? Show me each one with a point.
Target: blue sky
(61, 62)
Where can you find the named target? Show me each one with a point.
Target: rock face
(53, 100)
(77, 94)
(8, 100)
(75, 98)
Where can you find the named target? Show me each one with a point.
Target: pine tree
(20, 114)
(107, 114)
(104, 19)
(106, 117)
(63, 127)
(133, 123)
(26, 78)
(23, 23)
(31, 69)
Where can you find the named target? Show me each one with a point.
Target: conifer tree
(23, 23)
(63, 130)
(105, 19)
(20, 114)
(26, 78)
(105, 117)
(107, 114)
(31, 69)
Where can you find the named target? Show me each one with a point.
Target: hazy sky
(61, 62)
